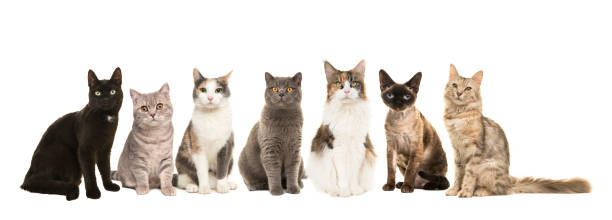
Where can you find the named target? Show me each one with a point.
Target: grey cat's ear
(360, 68)
(329, 71)
(197, 76)
(385, 80)
(453, 72)
(165, 90)
(415, 82)
(135, 95)
(297, 78)
(116, 78)
(226, 77)
(92, 79)
(269, 77)
(477, 77)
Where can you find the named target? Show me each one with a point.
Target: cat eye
(159, 106)
(468, 88)
(112, 92)
(218, 90)
(406, 97)
(389, 95)
(289, 89)
(144, 109)
(338, 84)
(203, 90)
(98, 93)
(275, 89)
(354, 84)
(455, 85)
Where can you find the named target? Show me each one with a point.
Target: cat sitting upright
(146, 160)
(74, 144)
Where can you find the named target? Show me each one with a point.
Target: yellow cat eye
(353, 84)
(159, 106)
(98, 93)
(289, 89)
(144, 109)
(274, 89)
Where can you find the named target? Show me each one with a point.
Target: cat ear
(453, 72)
(197, 76)
(385, 80)
(477, 77)
(297, 78)
(269, 77)
(116, 78)
(165, 90)
(360, 68)
(135, 95)
(92, 79)
(226, 77)
(415, 82)
(329, 71)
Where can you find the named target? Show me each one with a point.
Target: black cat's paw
(72, 193)
(276, 191)
(399, 185)
(388, 187)
(93, 193)
(112, 187)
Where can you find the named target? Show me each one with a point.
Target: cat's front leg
(141, 175)
(165, 176)
(459, 173)
(201, 163)
(293, 162)
(414, 162)
(469, 182)
(87, 164)
(344, 172)
(271, 161)
(104, 169)
(391, 166)
(224, 160)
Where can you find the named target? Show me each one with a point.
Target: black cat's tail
(435, 182)
(175, 180)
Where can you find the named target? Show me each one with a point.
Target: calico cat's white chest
(348, 123)
(212, 130)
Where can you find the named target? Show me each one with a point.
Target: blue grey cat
(146, 161)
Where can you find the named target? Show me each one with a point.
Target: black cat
(73, 145)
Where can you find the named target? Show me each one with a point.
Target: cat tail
(434, 182)
(175, 180)
(367, 169)
(541, 185)
(115, 175)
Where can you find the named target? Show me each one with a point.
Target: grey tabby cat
(146, 161)
(482, 157)
(271, 158)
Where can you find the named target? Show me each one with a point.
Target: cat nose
(281, 95)
(210, 98)
(152, 115)
(459, 93)
(346, 92)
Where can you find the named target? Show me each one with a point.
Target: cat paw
(232, 185)
(465, 193)
(93, 193)
(406, 188)
(399, 185)
(191, 188)
(276, 191)
(388, 187)
(482, 192)
(293, 189)
(72, 193)
(204, 190)
(111, 187)
(452, 191)
(344, 193)
(142, 190)
(222, 187)
(168, 191)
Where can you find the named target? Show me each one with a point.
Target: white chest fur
(349, 123)
(213, 129)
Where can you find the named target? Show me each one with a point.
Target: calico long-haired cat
(342, 157)
(74, 144)
(204, 160)
(271, 159)
(146, 161)
(412, 143)
(482, 156)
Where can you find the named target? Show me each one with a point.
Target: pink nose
(346, 92)
(210, 98)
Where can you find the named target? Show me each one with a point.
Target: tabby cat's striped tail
(115, 175)
(541, 185)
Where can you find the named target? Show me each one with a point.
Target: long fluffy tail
(435, 182)
(541, 185)
(115, 175)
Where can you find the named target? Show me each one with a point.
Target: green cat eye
(112, 92)
(98, 93)
(338, 84)
(353, 84)
(468, 88)
(218, 90)
(202, 89)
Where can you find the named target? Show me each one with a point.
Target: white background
(546, 81)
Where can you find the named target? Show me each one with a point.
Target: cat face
(105, 94)
(345, 86)
(210, 93)
(460, 90)
(399, 96)
(283, 92)
(152, 109)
